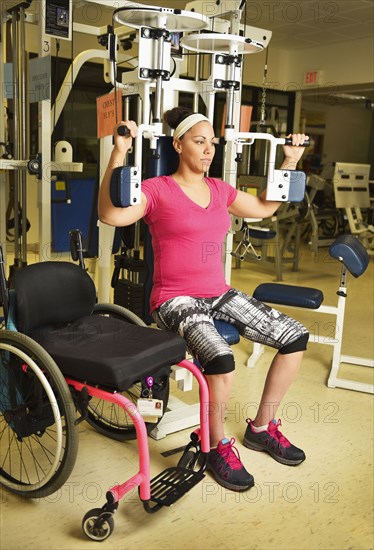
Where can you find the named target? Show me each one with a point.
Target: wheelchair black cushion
(52, 292)
(110, 352)
(54, 305)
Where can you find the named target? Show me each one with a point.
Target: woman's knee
(300, 344)
(222, 364)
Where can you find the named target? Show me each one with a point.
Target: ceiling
(306, 24)
(299, 25)
(295, 25)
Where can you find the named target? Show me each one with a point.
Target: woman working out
(189, 216)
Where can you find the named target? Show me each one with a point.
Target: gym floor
(325, 503)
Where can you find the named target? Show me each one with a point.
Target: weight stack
(128, 284)
(130, 295)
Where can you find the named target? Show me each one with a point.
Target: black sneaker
(225, 464)
(272, 441)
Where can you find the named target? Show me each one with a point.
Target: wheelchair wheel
(97, 524)
(38, 436)
(110, 419)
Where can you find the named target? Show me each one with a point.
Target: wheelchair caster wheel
(97, 524)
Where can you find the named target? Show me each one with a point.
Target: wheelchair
(64, 359)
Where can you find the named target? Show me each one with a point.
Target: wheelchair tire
(110, 419)
(38, 435)
(97, 524)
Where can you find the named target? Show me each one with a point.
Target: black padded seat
(54, 305)
(289, 295)
(110, 352)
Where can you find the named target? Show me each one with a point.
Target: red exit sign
(312, 78)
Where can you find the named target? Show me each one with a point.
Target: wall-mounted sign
(109, 112)
(58, 18)
(312, 78)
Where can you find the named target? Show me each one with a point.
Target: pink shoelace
(230, 454)
(274, 432)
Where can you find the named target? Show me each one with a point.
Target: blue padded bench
(354, 258)
(289, 295)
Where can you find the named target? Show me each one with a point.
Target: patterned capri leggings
(193, 319)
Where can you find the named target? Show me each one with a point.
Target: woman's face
(196, 148)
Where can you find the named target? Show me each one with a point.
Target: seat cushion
(110, 352)
(228, 332)
(289, 295)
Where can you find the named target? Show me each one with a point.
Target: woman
(188, 216)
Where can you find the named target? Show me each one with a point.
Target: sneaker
(225, 464)
(272, 441)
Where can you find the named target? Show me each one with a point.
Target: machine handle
(288, 141)
(123, 130)
(76, 247)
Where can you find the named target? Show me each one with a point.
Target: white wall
(348, 128)
(347, 135)
(347, 132)
(341, 64)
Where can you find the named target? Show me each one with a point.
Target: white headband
(187, 123)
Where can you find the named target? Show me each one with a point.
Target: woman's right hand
(123, 143)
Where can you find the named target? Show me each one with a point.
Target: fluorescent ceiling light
(349, 96)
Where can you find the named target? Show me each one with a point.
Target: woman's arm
(108, 213)
(249, 206)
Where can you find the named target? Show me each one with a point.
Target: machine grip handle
(116, 274)
(123, 130)
(288, 141)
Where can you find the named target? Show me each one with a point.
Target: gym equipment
(270, 241)
(283, 232)
(137, 15)
(319, 225)
(354, 259)
(351, 189)
(65, 355)
(154, 74)
(20, 163)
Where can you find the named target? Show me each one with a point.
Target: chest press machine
(227, 50)
(283, 185)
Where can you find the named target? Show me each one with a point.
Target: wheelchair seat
(55, 306)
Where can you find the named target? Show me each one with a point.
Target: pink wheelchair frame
(165, 488)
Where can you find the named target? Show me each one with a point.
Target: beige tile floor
(325, 503)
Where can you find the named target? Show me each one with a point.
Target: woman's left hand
(295, 151)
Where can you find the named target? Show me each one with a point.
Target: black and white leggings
(193, 319)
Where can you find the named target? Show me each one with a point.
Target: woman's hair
(173, 117)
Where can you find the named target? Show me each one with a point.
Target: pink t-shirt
(187, 239)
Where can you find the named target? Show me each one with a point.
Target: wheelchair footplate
(171, 484)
